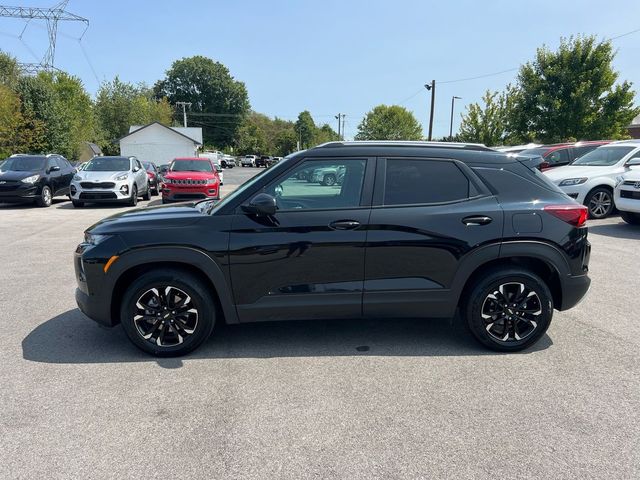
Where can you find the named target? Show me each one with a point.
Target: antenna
(51, 16)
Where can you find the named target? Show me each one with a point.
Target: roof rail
(405, 143)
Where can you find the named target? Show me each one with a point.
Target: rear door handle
(477, 220)
(344, 224)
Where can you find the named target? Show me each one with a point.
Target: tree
(391, 122)
(119, 105)
(488, 123)
(325, 134)
(9, 70)
(212, 92)
(286, 142)
(11, 123)
(572, 92)
(306, 129)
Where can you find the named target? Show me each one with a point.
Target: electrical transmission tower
(51, 16)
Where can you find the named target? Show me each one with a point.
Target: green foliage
(211, 89)
(391, 122)
(572, 92)
(119, 105)
(306, 128)
(9, 70)
(488, 123)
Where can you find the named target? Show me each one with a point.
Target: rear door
(307, 260)
(428, 215)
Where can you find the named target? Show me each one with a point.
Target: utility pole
(51, 16)
(453, 100)
(184, 110)
(343, 115)
(340, 117)
(337, 117)
(431, 87)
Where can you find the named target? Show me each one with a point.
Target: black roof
(468, 153)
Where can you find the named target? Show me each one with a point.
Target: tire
(147, 194)
(631, 218)
(599, 202)
(507, 334)
(133, 201)
(155, 192)
(329, 180)
(77, 204)
(181, 333)
(45, 198)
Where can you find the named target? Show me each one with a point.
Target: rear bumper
(574, 288)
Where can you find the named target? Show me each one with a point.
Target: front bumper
(575, 192)
(182, 193)
(629, 203)
(120, 192)
(19, 193)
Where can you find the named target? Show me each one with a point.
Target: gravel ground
(300, 399)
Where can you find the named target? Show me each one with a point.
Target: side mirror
(54, 168)
(633, 162)
(261, 205)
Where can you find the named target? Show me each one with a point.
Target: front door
(307, 260)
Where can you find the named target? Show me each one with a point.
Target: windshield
(532, 151)
(603, 156)
(191, 166)
(148, 166)
(107, 164)
(22, 164)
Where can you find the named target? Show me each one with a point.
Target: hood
(190, 175)
(13, 175)
(575, 171)
(147, 218)
(99, 176)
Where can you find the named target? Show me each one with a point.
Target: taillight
(574, 214)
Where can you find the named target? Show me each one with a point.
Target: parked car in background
(110, 179)
(154, 177)
(591, 179)
(227, 161)
(262, 252)
(560, 154)
(248, 161)
(273, 160)
(513, 149)
(191, 179)
(627, 191)
(218, 168)
(164, 169)
(35, 178)
(263, 161)
(328, 175)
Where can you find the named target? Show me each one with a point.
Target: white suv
(591, 179)
(627, 192)
(248, 161)
(110, 179)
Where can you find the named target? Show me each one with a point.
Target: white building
(160, 144)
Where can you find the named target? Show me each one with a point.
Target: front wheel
(599, 201)
(329, 180)
(631, 218)
(167, 312)
(147, 194)
(508, 310)
(133, 201)
(45, 198)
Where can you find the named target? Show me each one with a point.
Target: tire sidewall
(185, 282)
(45, 201)
(490, 282)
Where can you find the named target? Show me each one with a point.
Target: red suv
(191, 179)
(560, 154)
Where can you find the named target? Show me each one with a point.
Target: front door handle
(344, 224)
(477, 220)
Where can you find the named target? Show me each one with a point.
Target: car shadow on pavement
(617, 230)
(56, 202)
(72, 338)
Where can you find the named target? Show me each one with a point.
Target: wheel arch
(131, 265)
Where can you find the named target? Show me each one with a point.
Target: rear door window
(558, 157)
(412, 182)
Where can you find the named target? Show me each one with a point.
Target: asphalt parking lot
(356, 399)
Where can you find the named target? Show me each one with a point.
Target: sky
(328, 56)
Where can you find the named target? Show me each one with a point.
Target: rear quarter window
(516, 180)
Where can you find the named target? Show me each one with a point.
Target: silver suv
(110, 179)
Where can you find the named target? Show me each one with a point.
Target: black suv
(35, 178)
(413, 230)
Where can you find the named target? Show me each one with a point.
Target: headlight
(31, 179)
(573, 181)
(77, 178)
(211, 181)
(122, 177)
(94, 239)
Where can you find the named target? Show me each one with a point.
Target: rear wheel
(45, 198)
(599, 201)
(147, 194)
(508, 310)
(329, 180)
(167, 312)
(631, 218)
